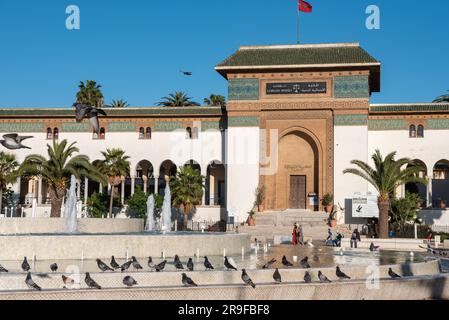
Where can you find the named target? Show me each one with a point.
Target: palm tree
(442, 99)
(386, 175)
(215, 100)
(119, 103)
(177, 99)
(187, 189)
(90, 93)
(115, 166)
(57, 170)
(8, 172)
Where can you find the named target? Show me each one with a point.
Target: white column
(122, 193)
(101, 189)
(156, 184)
(39, 190)
(78, 189)
(86, 190)
(429, 193)
(212, 190)
(133, 184)
(145, 185)
(204, 173)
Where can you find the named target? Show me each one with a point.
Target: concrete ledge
(388, 244)
(419, 288)
(13, 226)
(73, 247)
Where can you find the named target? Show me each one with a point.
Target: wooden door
(298, 192)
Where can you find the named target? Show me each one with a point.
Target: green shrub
(137, 203)
(97, 204)
(404, 210)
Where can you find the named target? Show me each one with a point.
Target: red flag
(304, 6)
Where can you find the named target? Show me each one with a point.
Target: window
(195, 133)
(148, 133)
(188, 133)
(412, 131)
(56, 133)
(420, 133)
(49, 134)
(141, 133)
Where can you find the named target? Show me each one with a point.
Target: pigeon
(323, 278)
(91, 113)
(246, 279)
(373, 248)
(103, 266)
(186, 281)
(151, 264)
(190, 264)
(67, 281)
(341, 275)
(2, 269)
(136, 264)
(25, 265)
(14, 142)
(307, 277)
(269, 264)
(129, 281)
(31, 284)
(277, 276)
(186, 73)
(91, 282)
(178, 263)
(207, 264)
(229, 265)
(161, 266)
(126, 265)
(392, 274)
(54, 267)
(305, 263)
(114, 263)
(286, 263)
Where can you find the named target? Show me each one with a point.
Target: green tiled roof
(298, 55)
(115, 112)
(404, 108)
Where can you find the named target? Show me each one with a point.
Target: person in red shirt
(294, 234)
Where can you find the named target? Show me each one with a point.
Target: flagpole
(297, 35)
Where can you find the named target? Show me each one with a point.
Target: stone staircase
(272, 224)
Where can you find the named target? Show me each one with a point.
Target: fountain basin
(14, 226)
(103, 246)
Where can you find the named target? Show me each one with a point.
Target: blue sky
(136, 48)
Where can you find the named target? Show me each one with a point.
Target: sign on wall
(297, 88)
(364, 206)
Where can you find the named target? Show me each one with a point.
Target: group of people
(297, 235)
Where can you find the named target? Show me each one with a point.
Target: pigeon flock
(228, 263)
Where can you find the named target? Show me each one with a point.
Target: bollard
(224, 252)
(243, 253)
(127, 255)
(163, 253)
(295, 259)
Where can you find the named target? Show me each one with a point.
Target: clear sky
(136, 48)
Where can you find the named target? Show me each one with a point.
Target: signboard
(297, 88)
(364, 206)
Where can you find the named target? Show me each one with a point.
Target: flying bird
(103, 266)
(286, 263)
(126, 265)
(31, 284)
(186, 73)
(229, 265)
(25, 265)
(373, 248)
(136, 264)
(54, 267)
(178, 263)
(269, 264)
(67, 281)
(91, 282)
(392, 274)
(2, 269)
(151, 264)
(161, 266)
(207, 264)
(307, 277)
(91, 113)
(114, 263)
(190, 264)
(129, 281)
(305, 263)
(341, 275)
(277, 276)
(323, 278)
(246, 279)
(186, 281)
(14, 142)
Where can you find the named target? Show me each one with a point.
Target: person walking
(300, 236)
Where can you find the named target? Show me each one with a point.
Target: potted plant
(333, 219)
(260, 198)
(251, 219)
(327, 202)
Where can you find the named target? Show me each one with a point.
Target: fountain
(166, 210)
(150, 214)
(70, 212)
